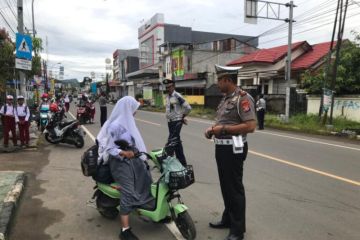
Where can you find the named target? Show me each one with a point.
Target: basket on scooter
(181, 179)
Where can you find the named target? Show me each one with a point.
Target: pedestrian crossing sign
(23, 46)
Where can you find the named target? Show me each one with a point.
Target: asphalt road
(298, 187)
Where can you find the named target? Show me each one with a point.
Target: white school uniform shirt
(10, 111)
(22, 111)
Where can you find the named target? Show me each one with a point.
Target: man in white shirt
(7, 113)
(22, 115)
(177, 108)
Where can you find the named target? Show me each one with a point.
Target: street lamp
(33, 21)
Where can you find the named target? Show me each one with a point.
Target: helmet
(54, 107)
(9, 97)
(44, 95)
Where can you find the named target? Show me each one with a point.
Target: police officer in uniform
(235, 117)
(177, 108)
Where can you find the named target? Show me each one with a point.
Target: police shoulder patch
(245, 105)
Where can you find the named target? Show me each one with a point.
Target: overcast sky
(83, 33)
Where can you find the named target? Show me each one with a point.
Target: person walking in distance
(177, 108)
(260, 110)
(103, 108)
(67, 103)
(7, 113)
(235, 118)
(22, 115)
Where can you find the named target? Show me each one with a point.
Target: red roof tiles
(311, 57)
(273, 55)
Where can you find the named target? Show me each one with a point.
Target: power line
(7, 2)
(330, 22)
(6, 22)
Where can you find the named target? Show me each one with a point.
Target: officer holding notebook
(235, 117)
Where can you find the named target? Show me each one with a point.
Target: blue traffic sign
(23, 46)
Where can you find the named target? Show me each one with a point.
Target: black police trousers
(103, 115)
(261, 118)
(174, 134)
(230, 169)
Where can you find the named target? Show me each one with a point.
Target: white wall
(348, 107)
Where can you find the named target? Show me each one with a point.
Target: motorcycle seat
(64, 124)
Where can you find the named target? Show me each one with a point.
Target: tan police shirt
(235, 108)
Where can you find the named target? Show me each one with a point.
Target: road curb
(10, 203)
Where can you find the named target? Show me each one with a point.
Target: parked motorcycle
(58, 131)
(85, 112)
(162, 209)
(44, 110)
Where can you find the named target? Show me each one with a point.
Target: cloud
(82, 33)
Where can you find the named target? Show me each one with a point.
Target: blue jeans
(174, 134)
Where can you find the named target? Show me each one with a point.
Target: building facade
(186, 56)
(124, 62)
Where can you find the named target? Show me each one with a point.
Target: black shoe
(219, 225)
(234, 237)
(127, 235)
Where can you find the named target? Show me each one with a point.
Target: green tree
(7, 59)
(36, 61)
(348, 76)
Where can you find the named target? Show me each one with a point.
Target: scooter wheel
(107, 212)
(49, 139)
(79, 141)
(186, 225)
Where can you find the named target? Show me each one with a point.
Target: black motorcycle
(59, 131)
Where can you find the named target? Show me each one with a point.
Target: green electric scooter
(163, 208)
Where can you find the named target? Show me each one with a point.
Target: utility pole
(33, 21)
(338, 47)
(288, 61)
(271, 10)
(327, 69)
(21, 31)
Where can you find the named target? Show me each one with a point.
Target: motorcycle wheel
(108, 213)
(49, 139)
(79, 141)
(186, 225)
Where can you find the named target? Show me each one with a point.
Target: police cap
(224, 71)
(168, 81)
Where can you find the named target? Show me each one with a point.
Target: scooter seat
(64, 124)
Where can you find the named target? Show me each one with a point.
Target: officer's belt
(218, 141)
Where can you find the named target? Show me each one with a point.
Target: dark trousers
(174, 134)
(24, 131)
(103, 115)
(261, 117)
(67, 106)
(9, 125)
(230, 169)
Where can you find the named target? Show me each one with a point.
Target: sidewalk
(11, 186)
(34, 137)
(12, 183)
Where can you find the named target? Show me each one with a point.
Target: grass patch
(309, 123)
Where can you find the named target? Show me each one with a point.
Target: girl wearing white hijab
(131, 173)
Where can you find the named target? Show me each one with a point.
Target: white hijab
(123, 113)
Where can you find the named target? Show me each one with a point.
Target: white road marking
(306, 168)
(84, 128)
(311, 141)
(140, 120)
(171, 226)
